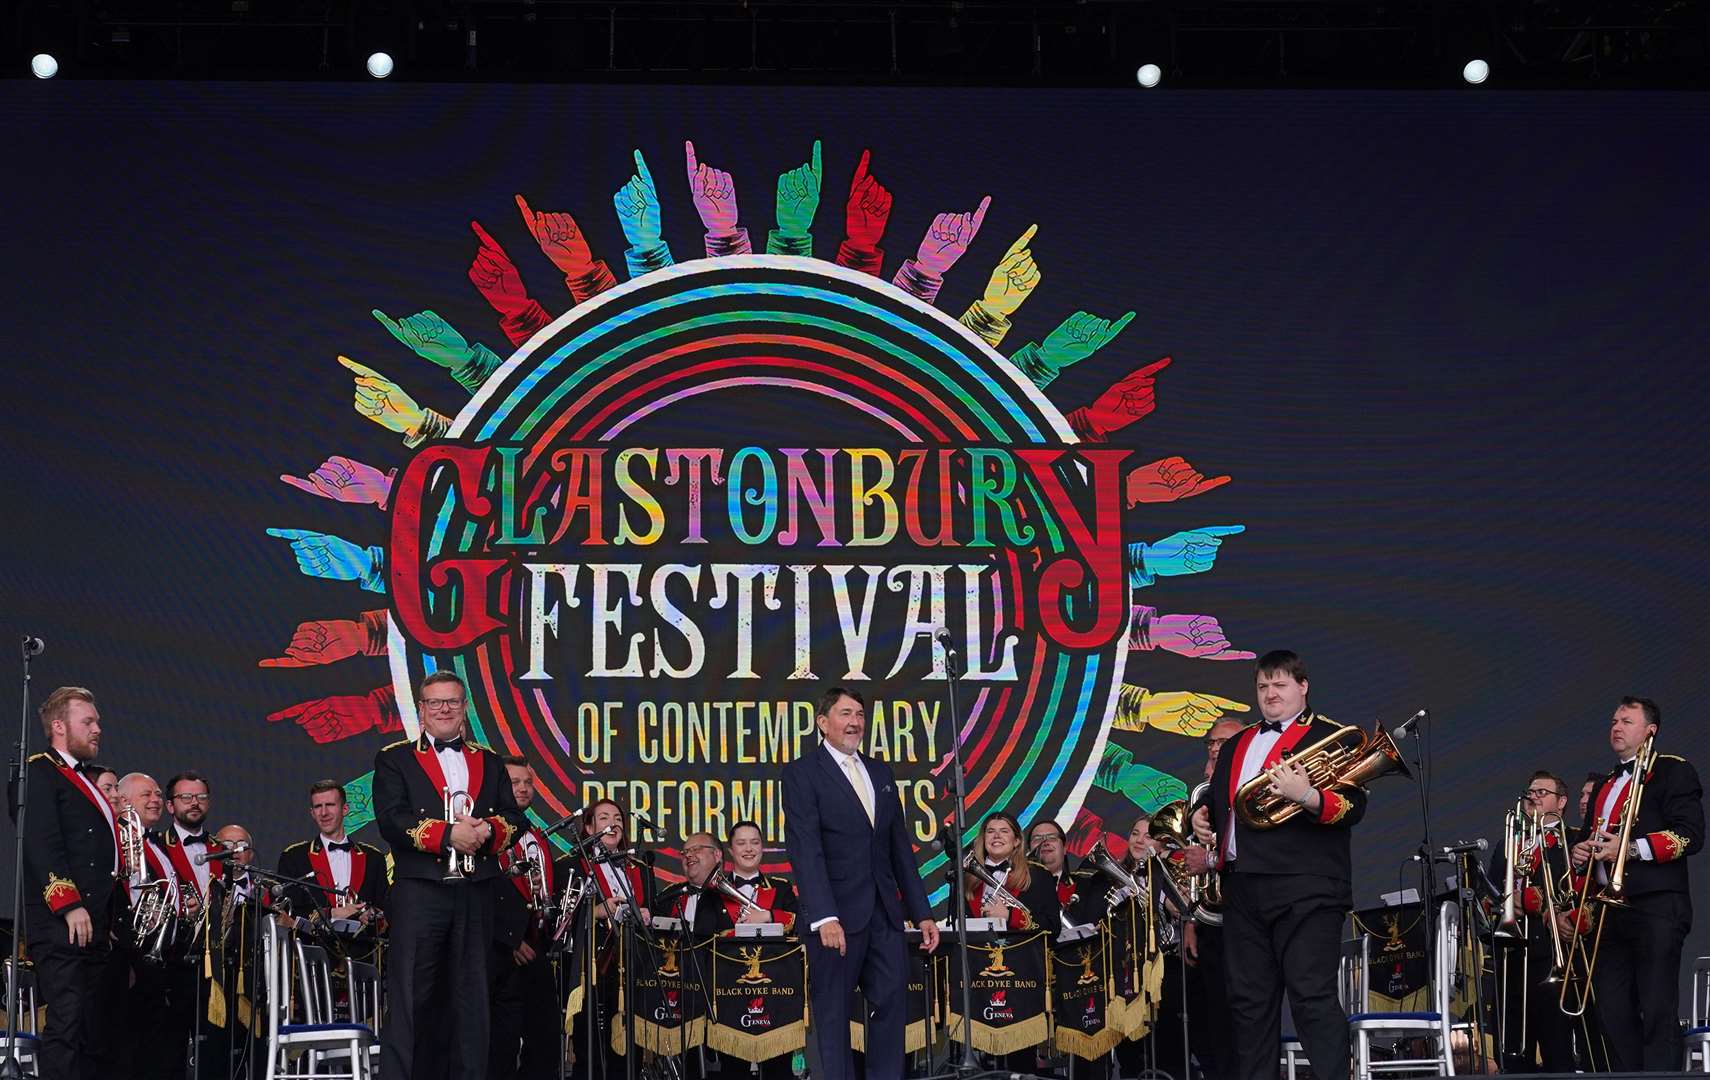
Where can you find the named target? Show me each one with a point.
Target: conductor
(858, 881)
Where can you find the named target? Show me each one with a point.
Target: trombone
(1613, 894)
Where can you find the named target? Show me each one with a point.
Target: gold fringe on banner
(216, 1004)
(756, 1048)
(914, 1037)
(1002, 1040)
(573, 1007)
(1089, 1047)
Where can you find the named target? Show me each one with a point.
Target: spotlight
(44, 66)
(1476, 71)
(379, 64)
(1149, 75)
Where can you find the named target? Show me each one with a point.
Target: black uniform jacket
(1315, 844)
(409, 806)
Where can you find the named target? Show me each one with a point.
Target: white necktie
(860, 788)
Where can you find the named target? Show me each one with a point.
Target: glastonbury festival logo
(676, 507)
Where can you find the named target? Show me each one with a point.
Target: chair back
(276, 951)
(1701, 992)
(26, 1023)
(1352, 985)
(314, 977)
(364, 981)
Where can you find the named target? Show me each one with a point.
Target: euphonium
(720, 884)
(1345, 759)
(974, 866)
(154, 916)
(458, 804)
(1172, 828)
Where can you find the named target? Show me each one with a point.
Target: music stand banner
(1008, 988)
(759, 998)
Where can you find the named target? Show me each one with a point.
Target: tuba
(720, 884)
(1346, 758)
(974, 867)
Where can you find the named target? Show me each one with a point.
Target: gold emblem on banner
(669, 965)
(1394, 944)
(994, 962)
(752, 957)
(1086, 959)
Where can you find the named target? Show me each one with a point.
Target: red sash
(93, 794)
(321, 862)
(1291, 737)
(186, 870)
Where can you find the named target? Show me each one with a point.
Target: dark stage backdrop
(1409, 383)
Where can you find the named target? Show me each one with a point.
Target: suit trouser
(526, 1017)
(436, 985)
(1284, 932)
(876, 960)
(1637, 981)
(1210, 1032)
(1548, 1045)
(70, 981)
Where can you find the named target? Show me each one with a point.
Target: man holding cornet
(1282, 844)
(445, 806)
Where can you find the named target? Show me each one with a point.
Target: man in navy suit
(857, 878)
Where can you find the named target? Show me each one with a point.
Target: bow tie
(195, 838)
(997, 867)
(449, 744)
(739, 881)
(340, 845)
(82, 768)
(1626, 769)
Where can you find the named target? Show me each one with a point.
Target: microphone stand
(964, 1063)
(1427, 853)
(10, 1068)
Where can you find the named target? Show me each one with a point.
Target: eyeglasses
(698, 847)
(204, 797)
(439, 704)
(1544, 793)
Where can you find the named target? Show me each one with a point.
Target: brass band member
(1211, 1033)
(445, 807)
(154, 1029)
(997, 847)
(107, 780)
(774, 896)
(351, 875)
(701, 911)
(524, 993)
(1549, 1032)
(618, 878)
(1286, 889)
(1637, 974)
(72, 900)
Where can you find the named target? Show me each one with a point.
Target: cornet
(720, 884)
(458, 804)
(974, 866)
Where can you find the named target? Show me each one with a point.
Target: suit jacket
(308, 858)
(1670, 820)
(1306, 844)
(183, 868)
(847, 867)
(409, 806)
(71, 848)
(710, 918)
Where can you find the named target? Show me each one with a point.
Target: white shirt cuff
(1644, 848)
(817, 923)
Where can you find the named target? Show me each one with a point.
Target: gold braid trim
(418, 835)
(503, 833)
(1338, 810)
(1677, 845)
(60, 892)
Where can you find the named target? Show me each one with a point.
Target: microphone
(941, 634)
(643, 820)
(1464, 847)
(203, 858)
(1406, 727)
(33, 646)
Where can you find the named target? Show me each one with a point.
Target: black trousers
(436, 985)
(1637, 981)
(72, 983)
(527, 1018)
(1161, 1049)
(876, 960)
(1284, 932)
(1548, 1045)
(1210, 1031)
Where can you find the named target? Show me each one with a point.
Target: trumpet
(532, 868)
(1614, 894)
(458, 804)
(720, 884)
(1346, 758)
(975, 867)
(576, 888)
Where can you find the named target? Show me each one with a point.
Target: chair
(1698, 1035)
(363, 979)
(1365, 1026)
(299, 1050)
(29, 1043)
